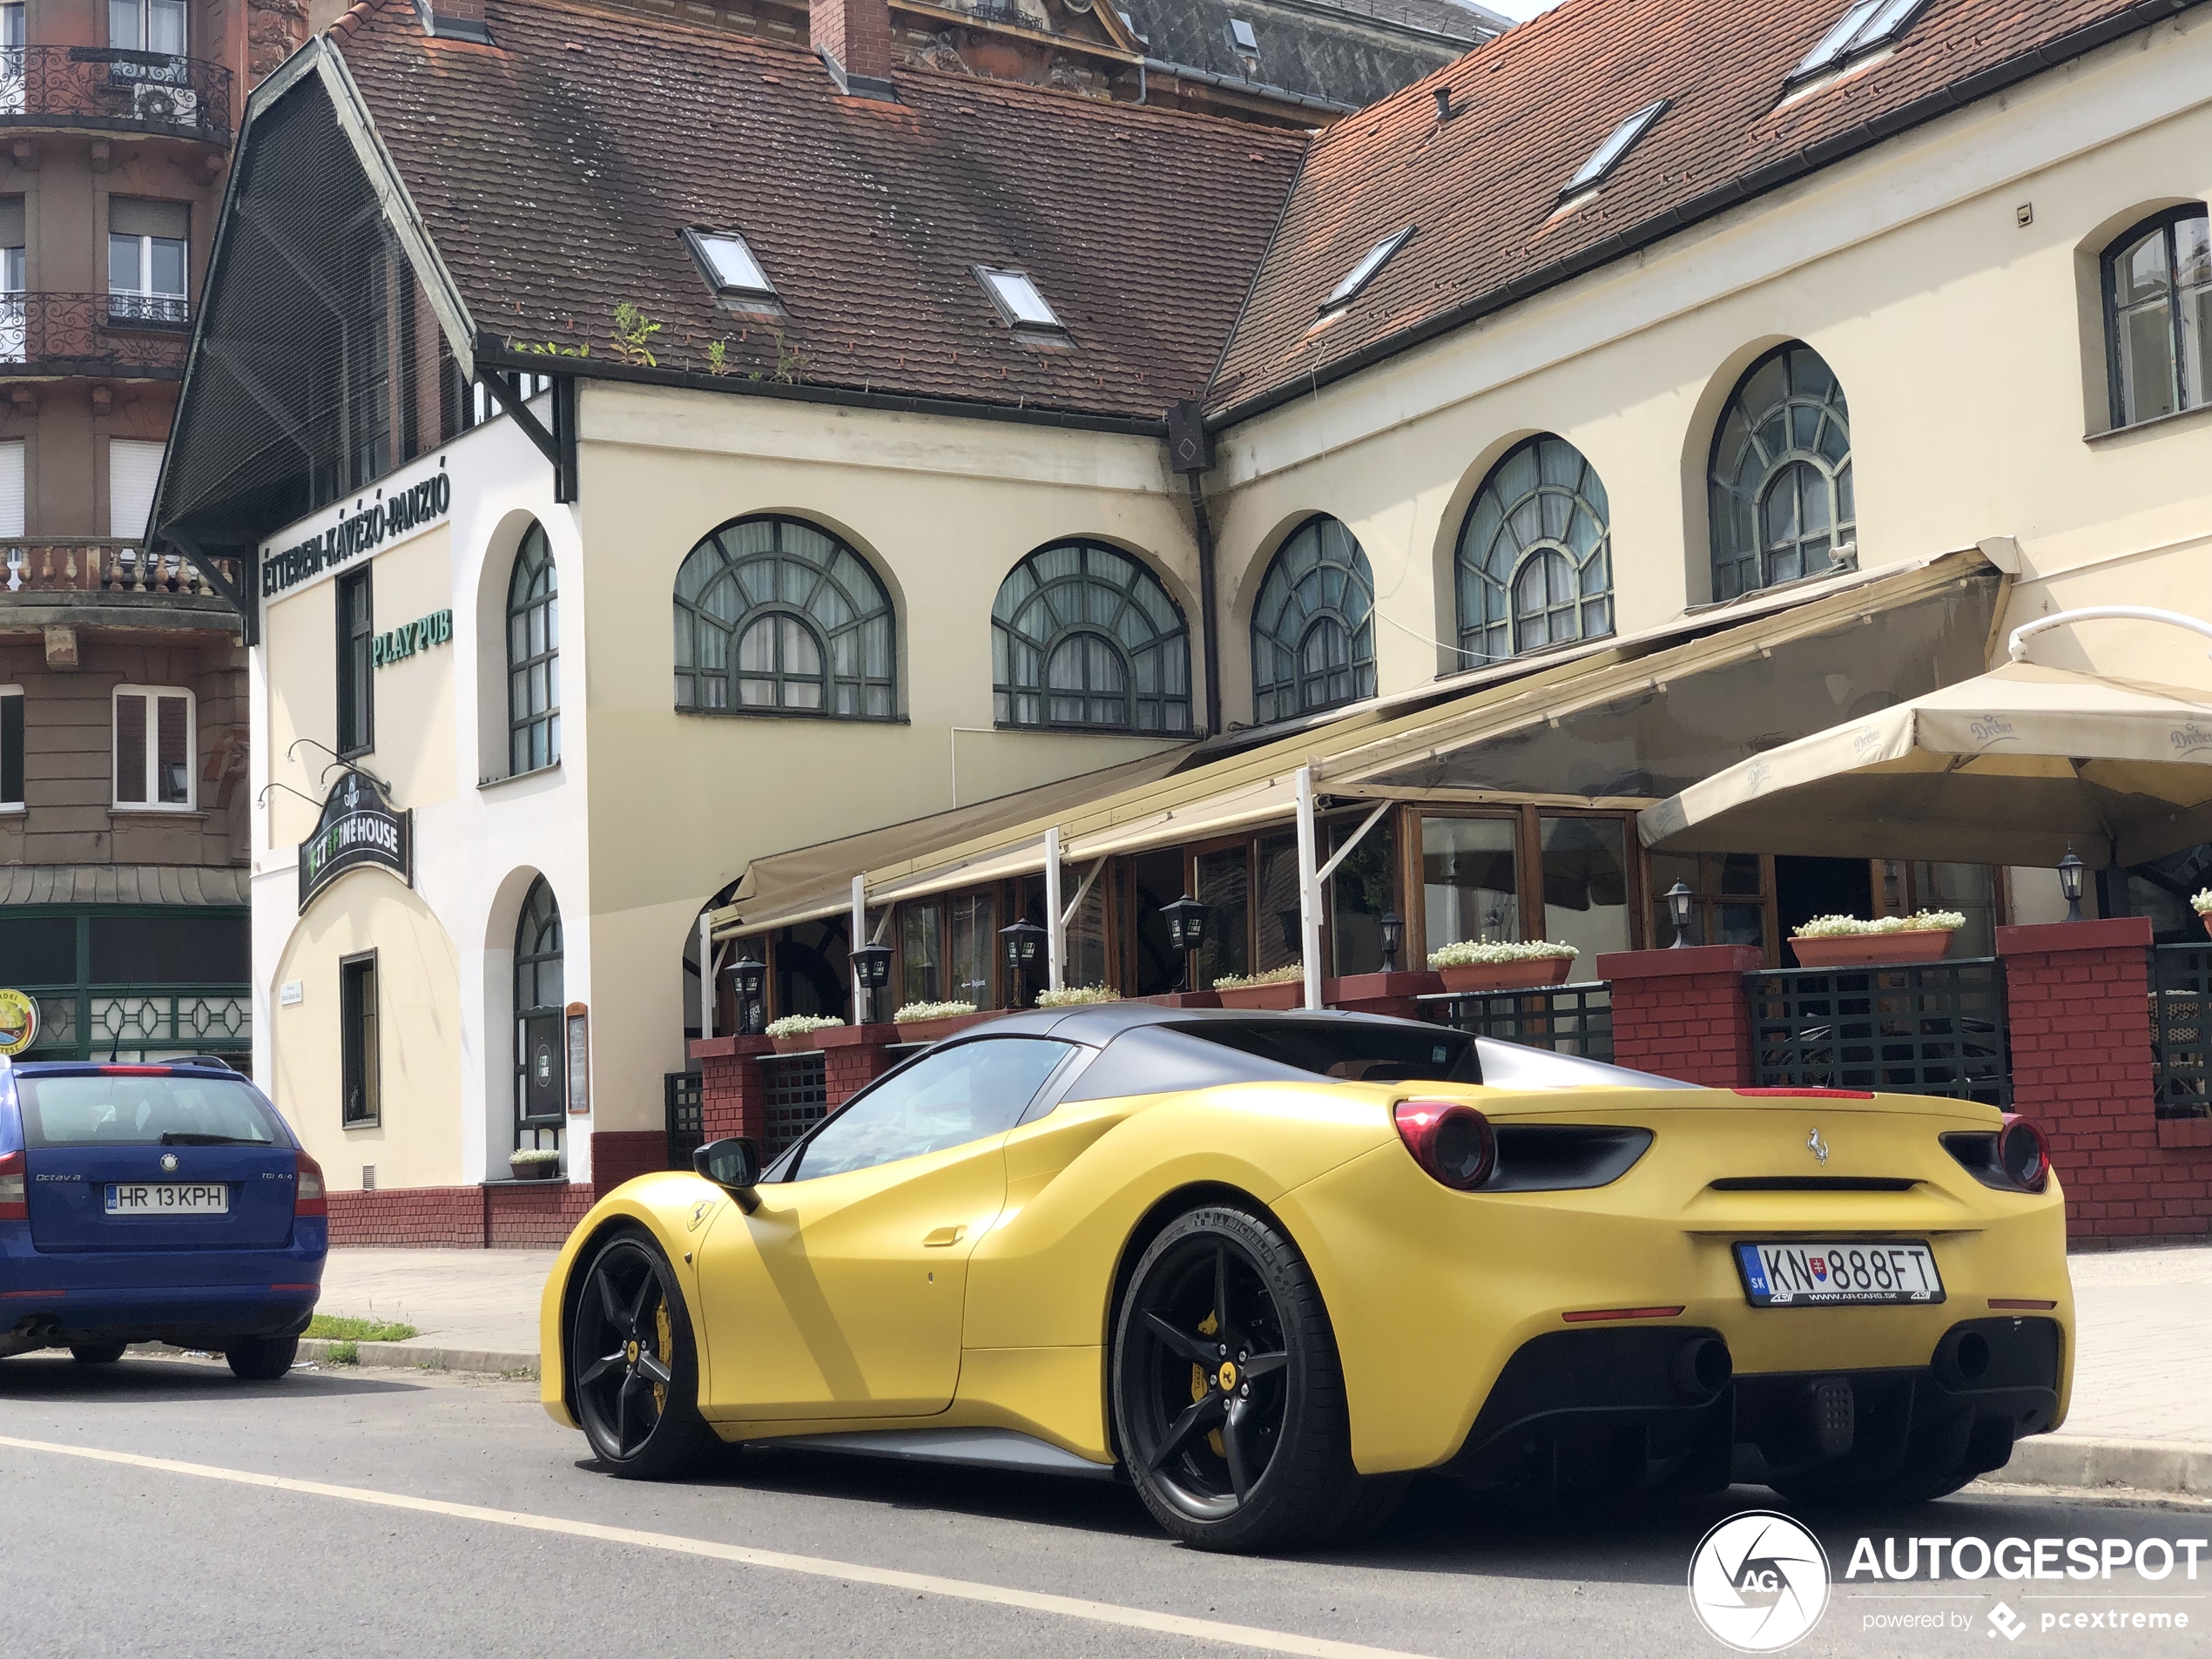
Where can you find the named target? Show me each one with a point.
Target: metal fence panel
(685, 1117)
(1922, 1029)
(2181, 983)
(797, 1089)
(1566, 1019)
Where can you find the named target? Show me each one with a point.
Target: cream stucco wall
(1969, 347)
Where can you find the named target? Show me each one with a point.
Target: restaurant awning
(2013, 767)
(1618, 723)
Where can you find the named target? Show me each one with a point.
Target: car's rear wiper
(192, 1137)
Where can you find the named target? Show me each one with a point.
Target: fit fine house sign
(358, 826)
(355, 534)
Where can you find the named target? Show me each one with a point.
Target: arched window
(1536, 562)
(777, 617)
(1313, 630)
(2158, 315)
(541, 1072)
(533, 656)
(1084, 636)
(1781, 474)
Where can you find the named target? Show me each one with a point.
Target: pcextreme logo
(1758, 1582)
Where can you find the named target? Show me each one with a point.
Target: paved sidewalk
(2143, 1385)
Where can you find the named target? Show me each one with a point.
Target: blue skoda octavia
(162, 1203)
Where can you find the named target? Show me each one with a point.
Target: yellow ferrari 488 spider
(1266, 1266)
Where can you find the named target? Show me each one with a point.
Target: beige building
(1555, 454)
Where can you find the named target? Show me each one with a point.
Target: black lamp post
(1186, 919)
(1678, 901)
(871, 968)
(750, 979)
(2070, 869)
(1026, 946)
(1393, 934)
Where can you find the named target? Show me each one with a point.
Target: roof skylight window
(1607, 155)
(1362, 275)
(729, 264)
(1241, 32)
(1019, 300)
(1868, 24)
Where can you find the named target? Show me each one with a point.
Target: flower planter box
(535, 1171)
(944, 1025)
(2207, 919)
(1282, 995)
(1183, 999)
(1533, 971)
(803, 1042)
(1871, 950)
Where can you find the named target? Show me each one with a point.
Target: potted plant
(535, 1164)
(1846, 942)
(1075, 996)
(2202, 905)
(931, 1022)
(1501, 965)
(794, 1032)
(1275, 988)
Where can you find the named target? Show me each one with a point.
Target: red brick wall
(1683, 1013)
(2079, 996)
(853, 1057)
(857, 33)
(511, 1215)
(623, 1155)
(734, 1095)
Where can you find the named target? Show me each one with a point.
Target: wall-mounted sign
(18, 1022)
(291, 993)
(579, 1059)
(409, 637)
(358, 533)
(359, 825)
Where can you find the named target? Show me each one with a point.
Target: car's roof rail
(202, 1060)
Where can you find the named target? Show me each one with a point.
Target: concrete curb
(2142, 1465)
(422, 1356)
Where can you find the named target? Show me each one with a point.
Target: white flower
(1071, 996)
(1272, 976)
(1479, 953)
(2202, 902)
(914, 1011)
(798, 1025)
(1927, 922)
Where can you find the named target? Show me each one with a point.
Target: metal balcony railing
(1919, 1028)
(86, 565)
(2180, 995)
(797, 1089)
(109, 89)
(1566, 1019)
(121, 336)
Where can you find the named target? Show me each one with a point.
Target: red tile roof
(556, 169)
(1483, 187)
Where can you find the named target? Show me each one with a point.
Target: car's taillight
(306, 1193)
(1452, 1142)
(1809, 1094)
(2023, 1153)
(15, 1203)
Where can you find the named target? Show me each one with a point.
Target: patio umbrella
(2013, 767)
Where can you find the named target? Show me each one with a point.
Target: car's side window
(958, 1095)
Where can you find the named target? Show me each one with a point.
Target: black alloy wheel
(97, 1353)
(1228, 1397)
(261, 1358)
(633, 1369)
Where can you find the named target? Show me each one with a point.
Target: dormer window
(1019, 301)
(1362, 275)
(730, 268)
(1867, 26)
(1607, 156)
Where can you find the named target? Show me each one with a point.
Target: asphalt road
(141, 1513)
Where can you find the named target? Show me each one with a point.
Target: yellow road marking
(1066, 1606)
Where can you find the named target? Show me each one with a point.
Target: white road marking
(1066, 1606)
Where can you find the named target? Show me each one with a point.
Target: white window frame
(1369, 267)
(1010, 291)
(6, 806)
(745, 279)
(151, 782)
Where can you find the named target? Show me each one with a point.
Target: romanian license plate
(1822, 1275)
(168, 1198)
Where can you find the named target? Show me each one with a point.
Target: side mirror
(733, 1163)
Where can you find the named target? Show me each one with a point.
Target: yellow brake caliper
(1211, 1324)
(664, 1346)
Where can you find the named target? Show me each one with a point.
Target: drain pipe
(1191, 453)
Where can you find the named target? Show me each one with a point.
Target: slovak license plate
(168, 1198)
(1816, 1274)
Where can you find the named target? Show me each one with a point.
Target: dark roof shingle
(557, 169)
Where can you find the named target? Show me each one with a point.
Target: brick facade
(852, 1057)
(504, 1215)
(734, 1095)
(1683, 1013)
(2078, 995)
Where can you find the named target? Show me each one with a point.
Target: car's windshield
(1350, 1048)
(945, 1098)
(141, 1109)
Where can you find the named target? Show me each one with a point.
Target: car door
(841, 1295)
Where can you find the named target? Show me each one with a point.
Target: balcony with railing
(117, 336)
(110, 90)
(98, 565)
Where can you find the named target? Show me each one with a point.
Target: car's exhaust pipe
(1701, 1367)
(39, 1331)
